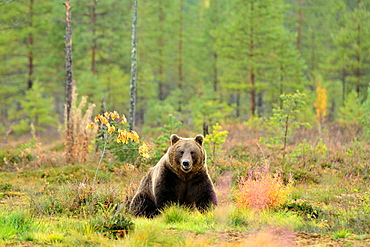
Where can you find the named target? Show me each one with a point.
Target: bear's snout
(185, 165)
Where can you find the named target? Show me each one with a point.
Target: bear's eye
(181, 152)
(192, 152)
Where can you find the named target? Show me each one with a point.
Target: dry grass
(81, 115)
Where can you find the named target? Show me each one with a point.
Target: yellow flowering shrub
(114, 129)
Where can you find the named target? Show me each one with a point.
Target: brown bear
(180, 176)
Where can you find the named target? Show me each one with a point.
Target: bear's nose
(185, 163)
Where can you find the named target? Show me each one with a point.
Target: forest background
(202, 62)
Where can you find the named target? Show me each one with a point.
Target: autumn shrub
(77, 145)
(261, 190)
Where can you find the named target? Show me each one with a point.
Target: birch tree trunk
(133, 67)
(69, 85)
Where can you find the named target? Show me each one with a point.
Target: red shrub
(261, 190)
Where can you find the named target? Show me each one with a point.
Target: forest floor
(270, 237)
(61, 198)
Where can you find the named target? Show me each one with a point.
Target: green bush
(303, 208)
(112, 223)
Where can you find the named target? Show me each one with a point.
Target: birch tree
(69, 83)
(133, 66)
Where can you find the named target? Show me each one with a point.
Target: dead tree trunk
(133, 67)
(69, 85)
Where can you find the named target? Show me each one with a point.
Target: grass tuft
(176, 214)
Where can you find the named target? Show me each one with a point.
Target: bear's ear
(174, 139)
(199, 139)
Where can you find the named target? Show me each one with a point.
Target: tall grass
(81, 138)
(17, 224)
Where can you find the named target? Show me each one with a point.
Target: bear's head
(187, 155)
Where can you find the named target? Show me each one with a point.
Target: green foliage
(352, 113)
(307, 153)
(16, 158)
(159, 113)
(79, 199)
(36, 109)
(208, 107)
(365, 120)
(163, 141)
(350, 43)
(112, 223)
(303, 208)
(153, 235)
(343, 233)
(284, 120)
(4, 187)
(176, 214)
(14, 224)
(114, 133)
(213, 142)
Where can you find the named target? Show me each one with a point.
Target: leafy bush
(261, 190)
(303, 208)
(114, 133)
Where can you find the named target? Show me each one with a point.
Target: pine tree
(36, 109)
(23, 48)
(352, 43)
(256, 53)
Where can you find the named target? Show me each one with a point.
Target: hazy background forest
(200, 61)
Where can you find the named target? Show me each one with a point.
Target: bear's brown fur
(180, 176)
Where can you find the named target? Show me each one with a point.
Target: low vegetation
(299, 191)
